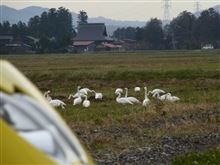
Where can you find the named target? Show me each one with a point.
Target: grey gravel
(163, 153)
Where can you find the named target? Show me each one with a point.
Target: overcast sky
(116, 9)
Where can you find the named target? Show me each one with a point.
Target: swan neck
(119, 95)
(46, 93)
(70, 96)
(126, 92)
(145, 93)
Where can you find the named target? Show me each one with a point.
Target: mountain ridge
(15, 15)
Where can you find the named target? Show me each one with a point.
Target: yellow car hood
(11, 81)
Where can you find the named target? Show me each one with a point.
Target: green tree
(168, 39)
(119, 33)
(82, 17)
(182, 30)
(52, 21)
(207, 28)
(34, 26)
(22, 29)
(14, 29)
(130, 33)
(64, 19)
(125, 33)
(6, 28)
(44, 25)
(54, 28)
(153, 34)
(139, 34)
(1, 28)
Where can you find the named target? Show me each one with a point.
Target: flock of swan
(81, 97)
(157, 93)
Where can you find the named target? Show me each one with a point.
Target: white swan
(47, 96)
(69, 97)
(54, 102)
(46, 93)
(146, 100)
(77, 100)
(167, 97)
(162, 97)
(57, 103)
(132, 99)
(119, 90)
(155, 92)
(98, 96)
(86, 103)
(122, 100)
(137, 89)
(82, 91)
(76, 95)
(171, 98)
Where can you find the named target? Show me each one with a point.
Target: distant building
(5, 39)
(208, 46)
(129, 44)
(17, 44)
(126, 44)
(90, 37)
(84, 46)
(108, 47)
(18, 48)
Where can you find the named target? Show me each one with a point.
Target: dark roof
(6, 37)
(33, 38)
(129, 40)
(112, 46)
(82, 43)
(18, 45)
(92, 32)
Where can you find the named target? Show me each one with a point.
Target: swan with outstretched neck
(122, 100)
(120, 90)
(47, 96)
(146, 100)
(132, 99)
(54, 102)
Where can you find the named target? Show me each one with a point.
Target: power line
(166, 14)
(197, 7)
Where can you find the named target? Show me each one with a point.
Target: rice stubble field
(132, 134)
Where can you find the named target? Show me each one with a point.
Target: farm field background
(115, 133)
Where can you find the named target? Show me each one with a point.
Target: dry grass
(194, 77)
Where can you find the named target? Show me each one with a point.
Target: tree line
(54, 29)
(186, 31)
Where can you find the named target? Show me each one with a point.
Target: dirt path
(163, 153)
(154, 149)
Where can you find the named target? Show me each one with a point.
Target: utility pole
(166, 14)
(197, 7)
